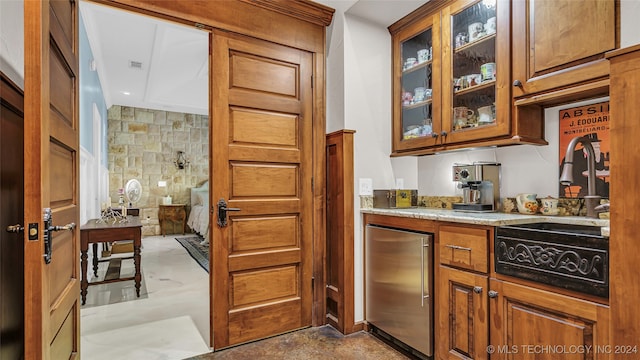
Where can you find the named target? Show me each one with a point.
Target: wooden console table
(94, 233)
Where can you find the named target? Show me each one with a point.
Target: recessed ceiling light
(125, 92)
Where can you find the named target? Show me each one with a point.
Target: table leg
(95, 259)
(84, 284)
(136, 262)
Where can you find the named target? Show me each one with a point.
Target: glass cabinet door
(474, 66)
(416, 116)
(475, 78)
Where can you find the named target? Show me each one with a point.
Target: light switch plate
(366, 186)
(399, 183)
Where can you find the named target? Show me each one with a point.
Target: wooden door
(261, 164)
(11, 213)
(553, 48)
(52, 288)
(463, 316)
(528, 323)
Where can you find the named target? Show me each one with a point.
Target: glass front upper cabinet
(474, 66)
(417, 86)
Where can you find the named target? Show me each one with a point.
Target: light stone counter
(487, 218)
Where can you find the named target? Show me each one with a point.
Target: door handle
(15, 229)
(222, 212)
(48, 233)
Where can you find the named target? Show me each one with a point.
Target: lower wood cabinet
(529, 323)
(482, 318)
(463, 315)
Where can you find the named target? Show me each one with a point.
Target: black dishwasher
(573, 257)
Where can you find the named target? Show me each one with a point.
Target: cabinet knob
(493, 294)
(477, 289)
(444, 133)
(517, 83)
(434, 135)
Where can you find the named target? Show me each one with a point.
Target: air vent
(135, 64)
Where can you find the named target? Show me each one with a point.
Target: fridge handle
(425, 246)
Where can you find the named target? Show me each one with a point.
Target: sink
(573, 257)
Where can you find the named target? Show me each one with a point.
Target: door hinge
(312, 184)
(313, 283)
(312, 81)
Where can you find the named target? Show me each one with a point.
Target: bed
(198, 219)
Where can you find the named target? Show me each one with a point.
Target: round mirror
(133, 191)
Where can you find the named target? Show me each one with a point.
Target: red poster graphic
(592, 123)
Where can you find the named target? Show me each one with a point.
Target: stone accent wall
(143, 145)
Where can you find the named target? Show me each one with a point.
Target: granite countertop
(488, 218)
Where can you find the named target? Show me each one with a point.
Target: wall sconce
(181, 161)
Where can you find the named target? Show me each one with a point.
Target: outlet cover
(366, 186)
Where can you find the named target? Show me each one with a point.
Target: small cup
(461, 39)
(549, 206)
(476, 30)
(490, 25)
(488, 71)
(474, 79)
(423, 55)
(410, 62)
(419, 94)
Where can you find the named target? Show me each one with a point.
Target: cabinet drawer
(464, 247)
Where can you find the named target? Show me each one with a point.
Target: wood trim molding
(339, 281)
(624, 130)
(427, 9)
(302, 9)
(11, 95)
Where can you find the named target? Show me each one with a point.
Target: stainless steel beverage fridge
(399, 285)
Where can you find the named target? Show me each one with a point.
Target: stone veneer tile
(142, 144)
(137, 128)
(144, 116)
(114, 112)
(127, 113)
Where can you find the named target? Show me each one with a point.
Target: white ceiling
(174, 57)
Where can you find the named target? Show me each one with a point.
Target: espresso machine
(480, 184)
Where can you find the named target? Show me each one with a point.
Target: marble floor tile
(170, 339)
(174, 297)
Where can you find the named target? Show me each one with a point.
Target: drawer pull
(456, 247)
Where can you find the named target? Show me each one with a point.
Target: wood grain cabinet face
(467, 75)
(463, 315)
(172, 218)
(557, 43)
(528, 323)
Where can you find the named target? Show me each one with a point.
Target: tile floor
(170, 320)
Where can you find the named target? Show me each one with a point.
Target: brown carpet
(317, 343)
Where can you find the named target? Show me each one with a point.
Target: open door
(262, 173)
(51, 144)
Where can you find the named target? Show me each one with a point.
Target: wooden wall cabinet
(561, 43)
(468, 75)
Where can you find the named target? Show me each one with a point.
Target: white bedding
(198, 219)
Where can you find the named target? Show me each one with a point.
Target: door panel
(463, 315)
(262, 164)
(51, 159)
(11, 213)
